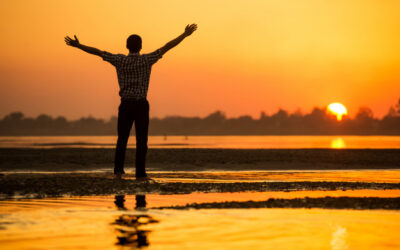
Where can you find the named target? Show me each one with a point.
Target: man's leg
(125, 121)
(142, 128)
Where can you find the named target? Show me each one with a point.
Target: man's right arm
(188, 31)
(75, 43)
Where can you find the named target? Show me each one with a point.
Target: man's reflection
(129, 226)
(120, 202)
(140, 202)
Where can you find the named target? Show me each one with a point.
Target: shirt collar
(133, 54)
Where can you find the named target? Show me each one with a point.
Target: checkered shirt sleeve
(153, 57)
(114, 59)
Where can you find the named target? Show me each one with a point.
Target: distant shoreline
(216, 133)
(317, 122)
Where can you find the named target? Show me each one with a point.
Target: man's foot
(118, 176)
(145, 180)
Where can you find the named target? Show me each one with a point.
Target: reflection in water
(130, 227)
(84, 223)
(338, 143)
(120, 202)
(140, 202)
(338, 241)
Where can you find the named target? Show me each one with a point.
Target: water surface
(248, 142)
(387, 176)
(114, 222)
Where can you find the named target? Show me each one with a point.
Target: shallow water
(388, 176)
(161, 200)
(111, 222)
(377, 176)
(259, 142)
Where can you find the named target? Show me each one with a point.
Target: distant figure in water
(133, 71)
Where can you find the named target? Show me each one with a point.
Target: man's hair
(134, 43)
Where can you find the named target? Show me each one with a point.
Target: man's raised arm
(75, 43)
(188, 31)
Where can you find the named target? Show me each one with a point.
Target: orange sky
(246, 57)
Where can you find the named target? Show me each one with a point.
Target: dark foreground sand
(61, 159)
(56, 183)
(80, 184)
(326, 202)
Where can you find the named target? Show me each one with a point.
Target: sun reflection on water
(338, 143)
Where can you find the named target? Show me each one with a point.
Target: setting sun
(338, 110)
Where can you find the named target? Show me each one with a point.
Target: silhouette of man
(133, 71)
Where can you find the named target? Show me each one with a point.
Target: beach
(81, 171)
(196, 159)
(295, 193)
(83, 184)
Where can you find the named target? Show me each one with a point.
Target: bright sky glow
(245, 57)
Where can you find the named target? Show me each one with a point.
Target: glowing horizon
(246, 57)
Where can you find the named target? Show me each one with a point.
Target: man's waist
(132, 99)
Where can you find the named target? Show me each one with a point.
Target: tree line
(317, 122)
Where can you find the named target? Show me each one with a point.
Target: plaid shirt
(133, 72)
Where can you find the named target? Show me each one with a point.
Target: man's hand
(69, 41)
(190, 29)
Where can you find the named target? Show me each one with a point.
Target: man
(133, 71)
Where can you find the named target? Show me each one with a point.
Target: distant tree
(316, 117)
(15, 116)
(391, 122)
(217, 116)
(364, 113)
(263, 115)
(44, 121)
(61, 122)
(13, 121)
(392, 112)
(43, 118)
(364, 121)
(89, 124)
(297, 113)
(395, 110)
(296, 121)
(280, 117)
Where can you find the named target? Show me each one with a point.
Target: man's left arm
(75, 43)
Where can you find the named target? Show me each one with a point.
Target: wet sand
(201, 174)
(81, 184)
(155, 201)
(73, 159)
(325, 202)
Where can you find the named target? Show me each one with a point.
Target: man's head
(134, 43)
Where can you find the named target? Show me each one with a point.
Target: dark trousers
(132, 111)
